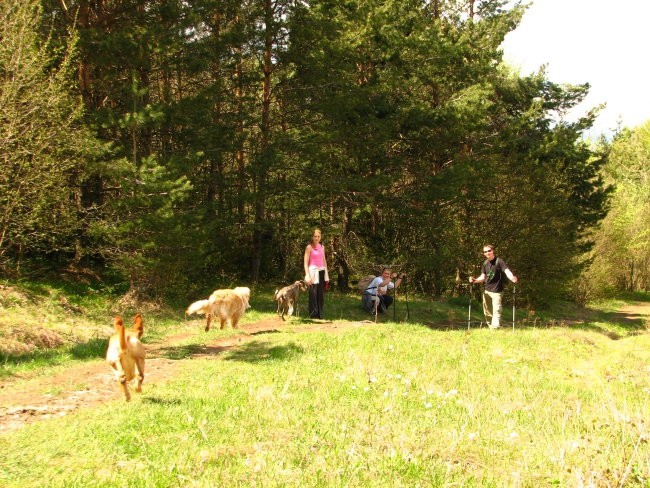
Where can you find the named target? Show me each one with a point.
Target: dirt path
(636, 310)
(92, 383)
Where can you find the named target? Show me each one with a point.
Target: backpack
(364, 283)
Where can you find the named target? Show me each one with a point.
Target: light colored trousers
(496, 309)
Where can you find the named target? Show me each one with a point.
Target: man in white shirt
(377, 291)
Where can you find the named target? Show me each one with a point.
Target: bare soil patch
(636, 311)
(92, 383)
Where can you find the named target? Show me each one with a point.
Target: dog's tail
(119, 328)
(200, 307)
(138, 327)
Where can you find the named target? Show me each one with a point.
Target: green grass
(79, 319)
(48, 326)
(386, 405)
(419, 403)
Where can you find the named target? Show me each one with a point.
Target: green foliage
(144, 232)
(620, 260)
(234, 128)
(43, 143)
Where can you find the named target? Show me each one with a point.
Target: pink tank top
(316, 256)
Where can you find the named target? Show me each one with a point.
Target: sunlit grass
(378, 405)
(415, 399)
(79, 319)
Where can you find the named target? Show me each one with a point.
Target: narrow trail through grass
(91, 383)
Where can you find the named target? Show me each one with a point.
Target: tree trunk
(263, 161)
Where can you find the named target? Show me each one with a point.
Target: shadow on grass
(40, 358)
(632, 323)
(553, 324)
(186, 351)
(161, 401)
(268, 331)
(258, 351)
(93, 349)
(631, 320)
(252, 352)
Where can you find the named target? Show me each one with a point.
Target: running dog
(228, 305)
(287, 298)
(126, 354)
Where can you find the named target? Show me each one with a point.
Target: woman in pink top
(316, 275)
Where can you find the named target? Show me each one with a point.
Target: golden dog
(126, 354)
(228, 305)
(287, 298)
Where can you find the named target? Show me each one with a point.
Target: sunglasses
(485, 251)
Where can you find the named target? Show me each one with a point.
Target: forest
(175, 147)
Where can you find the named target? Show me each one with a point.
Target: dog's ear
(118, 323)
(119, 329)
(138, 326)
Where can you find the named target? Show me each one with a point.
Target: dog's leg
(139, 364)
(234, 321)
(207, 324)
(125, 388)
(120, 376)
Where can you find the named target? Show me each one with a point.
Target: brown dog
(228, 305)
(126, 354)
(287, 298)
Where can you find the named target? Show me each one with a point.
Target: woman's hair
(314, 231)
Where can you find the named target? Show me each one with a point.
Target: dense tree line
(216, 134)
(620, 258)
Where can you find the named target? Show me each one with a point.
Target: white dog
(228, 305)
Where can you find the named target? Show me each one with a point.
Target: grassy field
(420, 403)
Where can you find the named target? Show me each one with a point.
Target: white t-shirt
(374, 286)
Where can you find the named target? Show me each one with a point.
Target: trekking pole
(406, 298)
(394, 304)
(514, 299)
(469, 308)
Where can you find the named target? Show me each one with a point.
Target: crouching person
(376, 293)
